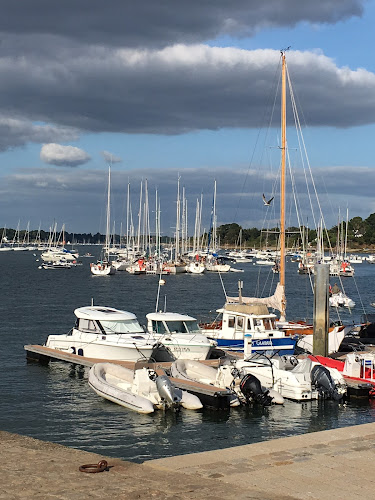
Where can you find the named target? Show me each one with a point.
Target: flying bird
(267, 203)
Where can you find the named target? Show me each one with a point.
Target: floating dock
(210, 396)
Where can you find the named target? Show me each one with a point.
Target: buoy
(161, 282)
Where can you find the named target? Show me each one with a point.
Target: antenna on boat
(92, 301)
(165, 303)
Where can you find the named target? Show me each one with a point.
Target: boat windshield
(126, 326)
(183, 326)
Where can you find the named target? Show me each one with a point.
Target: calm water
(54, 403)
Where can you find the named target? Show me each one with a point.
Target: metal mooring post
(321, 309)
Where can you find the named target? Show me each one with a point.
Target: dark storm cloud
(147, 22)
(78, 198)
(177, 89)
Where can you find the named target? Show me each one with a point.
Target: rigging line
(222, 284)
(277, 72)
(309, 168)
(359, 295)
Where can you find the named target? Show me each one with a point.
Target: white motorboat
(180, 334)
(105, 333)
(57, 254)
(140, 390)
(296, 379)
(60, 264)
(340, 299)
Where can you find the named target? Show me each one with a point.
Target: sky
(167, 90)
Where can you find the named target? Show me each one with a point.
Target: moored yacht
(180, 334)
(105, 333)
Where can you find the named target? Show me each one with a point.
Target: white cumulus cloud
(63, 156)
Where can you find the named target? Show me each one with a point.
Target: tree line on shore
(359, 234)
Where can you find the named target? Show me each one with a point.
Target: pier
(328, 465)
(210, 396)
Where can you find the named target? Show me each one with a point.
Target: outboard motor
(321, 378)
(252, 390)
(166, 391)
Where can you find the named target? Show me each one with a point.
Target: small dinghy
(140, 390)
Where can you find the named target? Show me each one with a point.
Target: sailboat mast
(107, 232)
(282, 182)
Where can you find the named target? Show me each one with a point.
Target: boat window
(176, 326)
(239, 322)
(87, 325)
(231, 322)
(258, 323)
(126, 326)
(191, 327)
(158, 327)
(249, 325)
(267, 324)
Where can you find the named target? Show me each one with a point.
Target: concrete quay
(335, 465)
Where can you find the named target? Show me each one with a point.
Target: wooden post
(321, 309)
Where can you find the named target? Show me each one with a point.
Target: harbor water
(54, 403)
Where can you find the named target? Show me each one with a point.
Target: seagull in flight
(267, 203)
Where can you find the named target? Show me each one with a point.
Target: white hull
(195, 268)
(101, 349)
(102, 269)
(138, 390)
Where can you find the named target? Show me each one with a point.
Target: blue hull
(284, 345)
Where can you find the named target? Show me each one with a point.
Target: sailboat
(278, 300)
(103, 267)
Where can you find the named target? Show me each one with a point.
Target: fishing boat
(103, 267)
(141, 390)
(105, 333)
(250, 318)
(278, 300)
(180, 334)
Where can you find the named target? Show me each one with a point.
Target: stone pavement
(336, 464)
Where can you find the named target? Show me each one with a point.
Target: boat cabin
(241, 319)
(169, 323)
(106, 321)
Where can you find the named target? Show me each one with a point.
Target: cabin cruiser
(55, 254)
(180, 334)
(253, 321)
(105, 333)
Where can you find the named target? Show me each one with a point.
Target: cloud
(17, 132)
(68, 156)
(63, 194)
(149, 23)
(110, 157)
(177, 89)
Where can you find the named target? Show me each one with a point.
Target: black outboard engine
(253, 391)
(321, 378)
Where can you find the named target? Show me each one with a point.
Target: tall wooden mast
(282, 183)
